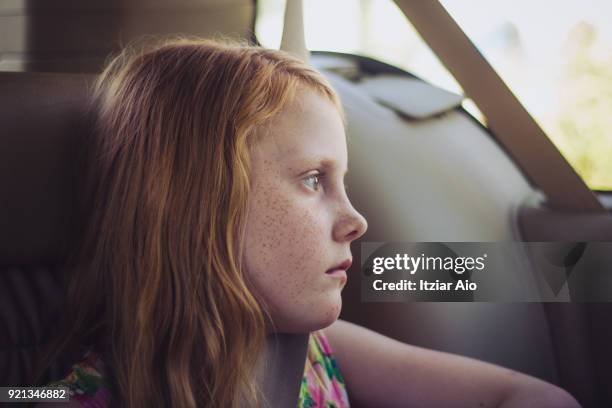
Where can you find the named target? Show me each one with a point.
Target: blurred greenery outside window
(555, 56)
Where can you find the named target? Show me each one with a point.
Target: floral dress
(322, 384)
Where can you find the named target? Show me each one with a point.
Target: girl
(218, 215)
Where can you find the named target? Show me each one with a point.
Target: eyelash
(319, 176)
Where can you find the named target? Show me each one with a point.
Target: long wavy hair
(158, 287)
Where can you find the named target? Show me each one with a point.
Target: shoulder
(86, 382)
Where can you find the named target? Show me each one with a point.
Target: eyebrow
(319, 161)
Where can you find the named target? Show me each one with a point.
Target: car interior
(422, 169)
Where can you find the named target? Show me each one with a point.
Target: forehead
(309, 128)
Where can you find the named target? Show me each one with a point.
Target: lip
(337, 273)
(341, 268)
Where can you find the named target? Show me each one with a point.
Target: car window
(556, 56)
(562, 74)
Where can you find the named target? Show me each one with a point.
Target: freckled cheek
(292, 241)
(304, 236)
(311, 237)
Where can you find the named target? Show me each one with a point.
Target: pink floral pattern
(322, 384)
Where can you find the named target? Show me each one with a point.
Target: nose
(351, 225)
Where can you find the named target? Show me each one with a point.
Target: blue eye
(312, 181)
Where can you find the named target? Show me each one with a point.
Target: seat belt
(507, 119)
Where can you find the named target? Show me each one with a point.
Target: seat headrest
(78, 36)
(410, 97)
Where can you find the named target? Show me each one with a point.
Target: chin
(330, 316)
(323, 318)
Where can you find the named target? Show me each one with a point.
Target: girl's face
(300, 222)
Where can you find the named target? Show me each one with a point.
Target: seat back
(41, 120)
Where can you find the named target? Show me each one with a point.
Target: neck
(281, 367)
